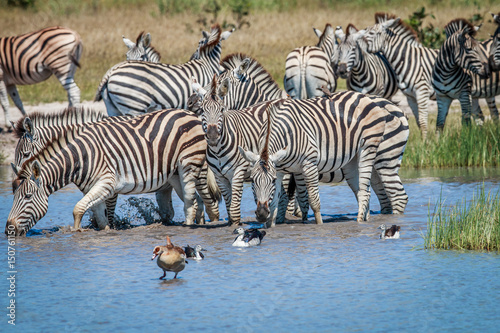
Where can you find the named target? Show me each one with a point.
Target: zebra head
(141, 49)
(494, 58)
(31, 200)
(467, 53)
(265, 177)
(375, 36)
(204, 40)
(212, 108)
(328, 43)
(28, 138)
(350, 54)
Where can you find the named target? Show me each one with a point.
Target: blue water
(334, 277)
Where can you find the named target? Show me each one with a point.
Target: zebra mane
(70, 115)
(213, 40)
(255, 69)
(213, 88)
(271, 117)
(402, 29)
(457, 25)
(327, 31)
(150, 47)
(348, 30)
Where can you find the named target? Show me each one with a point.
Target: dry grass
(269, 38)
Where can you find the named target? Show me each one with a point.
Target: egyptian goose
(391, 233)
(170, 258)
(250, 237)
(194, 253)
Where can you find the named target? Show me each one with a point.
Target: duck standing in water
(194, 253)
(391, 233)
(170, 258)
(250, 237)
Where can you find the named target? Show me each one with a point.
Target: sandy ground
(8, 141)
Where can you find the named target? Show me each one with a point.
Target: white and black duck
(248, 237)
(389, 233)
(194, 253)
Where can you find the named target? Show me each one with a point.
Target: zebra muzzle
(212, 135)
(342, 70)
(262, 212)
(11, 229)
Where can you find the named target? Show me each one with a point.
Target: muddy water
(334, 277)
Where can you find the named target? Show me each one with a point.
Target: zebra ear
(248, 155)
(197, 88)
(358, 34)
(128, 42)
(28, 127)
(339, 33)
(36, 170)
(279, 155)
(317, 32)
(223, 88)
(351, 29)
(243, 67)
(226, 34)
(205, 34)
(14, 168)
(146, 40)
(390, 23)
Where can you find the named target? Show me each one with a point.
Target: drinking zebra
(309, 68)
(141, 49)
(459, 59)
(136, 87)
(33, 57)
(347, 131)
(138, 155)
(364, 72)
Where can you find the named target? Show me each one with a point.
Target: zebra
(138, 155)
(141, 49)
(412, 63)
(135, 87)
(364, 72)
(495, 45)
(228, 122)
(33, 57)
(349, 131)
(459, 59)
(204, 39)
(309, 68)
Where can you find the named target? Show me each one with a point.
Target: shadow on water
(304, 277)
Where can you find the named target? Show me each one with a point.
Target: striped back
(138, 87)
(310, 69)
(141, 49)
(37, 129)
(365, 72)
(401, 29)
(35, 56)
(138, 155)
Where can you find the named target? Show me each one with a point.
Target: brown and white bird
(170, 258)
(389, 233)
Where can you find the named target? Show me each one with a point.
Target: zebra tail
(291, 187)
(303, 88)
(213, 189)
(76, 52)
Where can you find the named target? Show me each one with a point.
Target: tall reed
(466, 226)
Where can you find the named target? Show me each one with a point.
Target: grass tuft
(466, 226)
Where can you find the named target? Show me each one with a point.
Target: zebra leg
(101, 191)
(188, 175)
(278, 205)
(412, 102)
(207, 188)
(14, 94)
(378, 188)
(443, 103)
(351, 176)
(68, 83)
(465, 103)
(365, 167)
(234, 211)
(293, 205)
(110, 209)
(4, 101)
(99, 214)
(477, 113)
(164, 200)
(302, 196)
(311, 176)
(493, 107)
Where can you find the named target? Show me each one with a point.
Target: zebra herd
(204, 127)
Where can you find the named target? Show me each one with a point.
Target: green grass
(467, 146)
(466, 226)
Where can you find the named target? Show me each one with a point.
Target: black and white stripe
(359, 134)
(495, 45)
(136, 87)
(364, 72)
(309, 68)
(459, 60)
(103, 159)
(33, 57)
